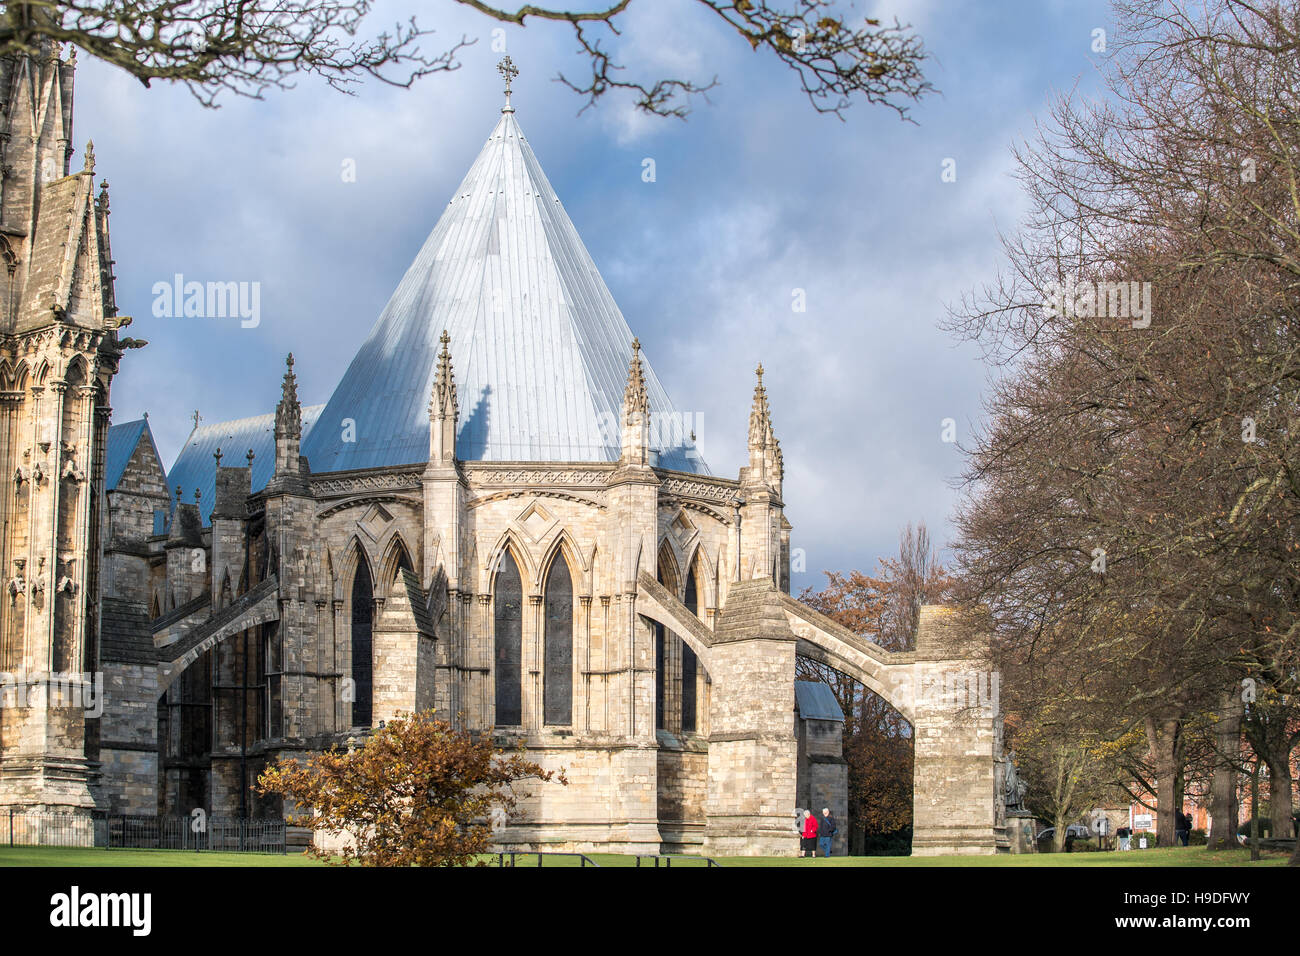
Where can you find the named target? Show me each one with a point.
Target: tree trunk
(1224, 809)
(1163, 740)
(1279, 795)
(1271, 741)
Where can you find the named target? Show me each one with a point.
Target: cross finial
(217, 455)
(249, 457)
(508, 70)
(197, 418)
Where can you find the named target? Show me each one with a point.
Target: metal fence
(119, 831)
(508, 857)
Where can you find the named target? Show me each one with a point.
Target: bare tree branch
(246, 47)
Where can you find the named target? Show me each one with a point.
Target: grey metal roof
(196, 468)
(539, 347)
(816, 701)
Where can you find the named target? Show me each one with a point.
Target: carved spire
(442, 403)
(760, 415)
(635, 446)
(635, 398)
(288, 414)
(90, 156)
(443, 408)
(765, 459)
(288, 425)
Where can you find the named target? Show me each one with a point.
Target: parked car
(1078, 831)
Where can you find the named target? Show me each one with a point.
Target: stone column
(955, 805)
(752, 746)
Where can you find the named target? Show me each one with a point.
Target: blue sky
(755, 195)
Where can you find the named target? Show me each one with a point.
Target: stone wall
(682, 784)
(752, 745)
(128, 745)
(607, 807)
(957, 801)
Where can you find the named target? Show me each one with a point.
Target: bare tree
(1134, 502)
(247, 47)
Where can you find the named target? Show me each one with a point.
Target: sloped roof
(816, 701)
(67, 257)
(419, 599)
(123, 440)
(539, 347)
(125, 634)
(196, 467)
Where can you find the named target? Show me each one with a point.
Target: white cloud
(755, 195)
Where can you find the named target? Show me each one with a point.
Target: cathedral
(497, 514)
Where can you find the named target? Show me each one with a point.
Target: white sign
(1142, 821)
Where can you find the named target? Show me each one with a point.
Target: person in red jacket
(808, 835)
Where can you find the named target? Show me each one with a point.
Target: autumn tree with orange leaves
(418, 792)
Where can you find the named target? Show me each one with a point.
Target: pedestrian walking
(826, 829)
(808, 835)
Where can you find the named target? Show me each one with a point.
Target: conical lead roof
(539, 347)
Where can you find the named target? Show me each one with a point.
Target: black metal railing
(583, 859)
(26, 828)
(122, 831)
(669, 857)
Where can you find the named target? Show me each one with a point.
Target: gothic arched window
(689, 667)
(508, 608)
(363, 615)
(557, 676)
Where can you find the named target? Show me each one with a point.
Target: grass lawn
(76, 856)
(1178, 856)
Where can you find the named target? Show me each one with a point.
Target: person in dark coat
(1182, 826)
(826, 829)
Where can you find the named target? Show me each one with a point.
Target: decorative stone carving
(541, 476)
(693, 488)
(376, 481)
